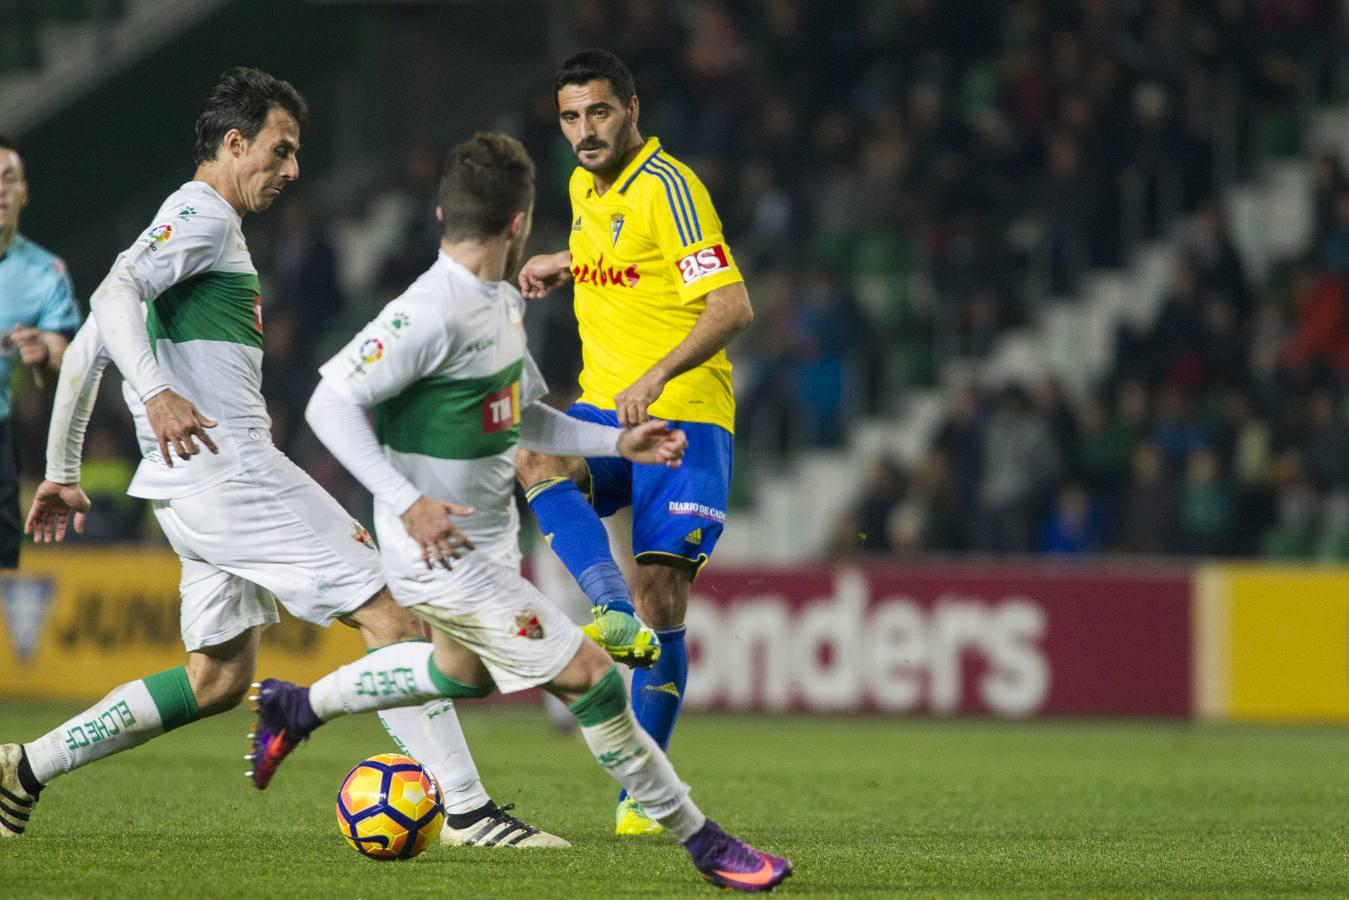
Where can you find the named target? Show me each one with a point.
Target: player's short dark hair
(7, 144)
(485, 181)
(241, 99)
(592, 65)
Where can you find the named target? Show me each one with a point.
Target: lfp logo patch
(158, 236)
(372, 351)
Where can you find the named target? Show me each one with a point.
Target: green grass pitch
(864, 807)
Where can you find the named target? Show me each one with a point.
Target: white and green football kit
(453, 391)
(247, 522)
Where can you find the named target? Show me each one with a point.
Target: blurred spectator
(1020, 465)
(1074, 525)
(1149, 518)
(1205, 505)
(304, 276)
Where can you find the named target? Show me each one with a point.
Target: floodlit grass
(864, 807)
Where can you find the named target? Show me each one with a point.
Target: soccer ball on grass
(389, 807)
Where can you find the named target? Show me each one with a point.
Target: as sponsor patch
(158, 236)
(702, 263)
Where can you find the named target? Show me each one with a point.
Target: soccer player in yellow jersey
(658, 296)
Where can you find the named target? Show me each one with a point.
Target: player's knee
(662, 595)
(531, 467)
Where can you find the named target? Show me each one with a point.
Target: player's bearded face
(600, 129)
(269, 163)
(611, 142)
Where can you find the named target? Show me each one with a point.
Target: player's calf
(633, 759)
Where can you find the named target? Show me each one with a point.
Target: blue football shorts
(675, 512)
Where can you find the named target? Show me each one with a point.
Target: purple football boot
(730, 863)
(285, 718)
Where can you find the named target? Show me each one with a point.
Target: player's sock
(431, 734)
(578, 538)
(658, 692)
(402, 674)
(633, 759)
(128, 716)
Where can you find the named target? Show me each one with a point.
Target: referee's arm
(42, 350)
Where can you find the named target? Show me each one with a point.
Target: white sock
(431, 734)
(637, 763)
(392, 676)
(125, 718)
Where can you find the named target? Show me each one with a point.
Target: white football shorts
(269, 534)
(520, 636)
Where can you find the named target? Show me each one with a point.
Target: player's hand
(632, 403)
(428, 523)
(52, 505)
(653, 443)
(33, 350)
(544, 273)
(176, 421)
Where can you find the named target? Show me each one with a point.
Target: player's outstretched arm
(545, 430)
(544, 273)
(51, 512)
(727, 314)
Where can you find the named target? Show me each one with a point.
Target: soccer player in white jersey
(453, 391)
(180, 316)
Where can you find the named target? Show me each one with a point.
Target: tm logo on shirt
(501, 409)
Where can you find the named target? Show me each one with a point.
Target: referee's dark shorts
(11, 526)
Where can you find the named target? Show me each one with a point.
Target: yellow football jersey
(643, 258)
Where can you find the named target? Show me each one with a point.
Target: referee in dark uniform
(38, 317)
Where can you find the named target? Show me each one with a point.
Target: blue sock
(658, 692)
(575, 533)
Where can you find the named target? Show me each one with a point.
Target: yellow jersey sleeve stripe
(685, 196)
(676, 201)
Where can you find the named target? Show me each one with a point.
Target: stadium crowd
(901, 185)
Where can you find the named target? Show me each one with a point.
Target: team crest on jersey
(527, 625)
(186, 213)
(616, 226)
(372, 351)
(400, 321)
(361, 534)
(158, 236)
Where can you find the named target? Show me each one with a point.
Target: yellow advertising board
(75, 622)
(1286, 633)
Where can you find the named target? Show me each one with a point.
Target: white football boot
(16, 804)
(498, 828)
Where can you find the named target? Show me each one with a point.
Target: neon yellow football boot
(631, 819)
(624, 637)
